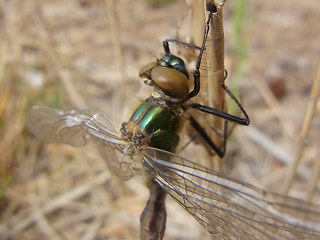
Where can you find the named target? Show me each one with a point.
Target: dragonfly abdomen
(154, 215)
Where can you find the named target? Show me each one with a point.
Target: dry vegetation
(62, 54)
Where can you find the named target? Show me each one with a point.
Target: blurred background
(87, 54)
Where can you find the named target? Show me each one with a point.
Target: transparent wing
(76, 128)
(228, 208)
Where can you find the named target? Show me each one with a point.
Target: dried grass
(61, 53)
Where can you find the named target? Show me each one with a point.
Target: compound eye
(172, 82)
(172, 61)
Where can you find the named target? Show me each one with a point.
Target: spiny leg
(196, 73)
(240, 120)
(167, 49)
(204, 135)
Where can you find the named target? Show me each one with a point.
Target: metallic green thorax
(160, 124)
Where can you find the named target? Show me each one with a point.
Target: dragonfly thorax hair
(153, 125)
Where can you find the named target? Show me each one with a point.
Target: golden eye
(171, 81)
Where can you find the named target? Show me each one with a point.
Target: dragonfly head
(169, 75)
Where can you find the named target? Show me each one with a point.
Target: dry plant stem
(215, 74)
(62, 72)
(117, 46)
(219, 2)
(6, 89)
(11, 46)
(212, 73)
(93, 229)
(292, 168)
(42, 222)
(314, 178)
(198, 19)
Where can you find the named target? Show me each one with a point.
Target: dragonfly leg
(240, 120)
(222, 114)
(167, 41)
(219, 150)
(222, 83)
(196, 72)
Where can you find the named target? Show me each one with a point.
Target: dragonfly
(145, 145)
